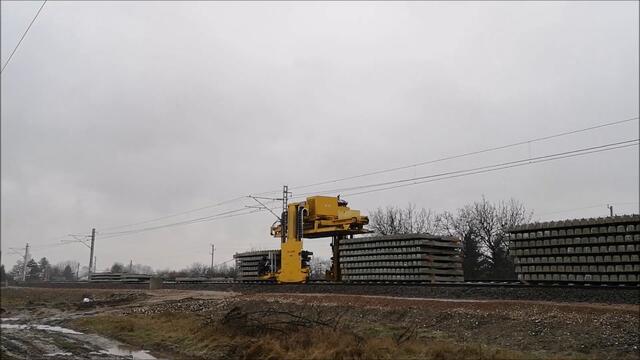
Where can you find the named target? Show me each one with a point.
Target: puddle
(109, 347)
(124, 351)
(10, 319)
(40, 327)
(58, 354)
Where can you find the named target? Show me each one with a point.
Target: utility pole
(213, 249)
(130, 266)
(285, 216)
(93, 240)
(610, 210)
(24, 265)
(78, 272)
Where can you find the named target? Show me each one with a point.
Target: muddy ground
(34, 325)
(180, 324)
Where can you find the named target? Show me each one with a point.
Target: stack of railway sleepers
(106, 277)
(190, 280)
(120, 277)
(253, 264)
(135, 278)
(601, 250)
(410, 257)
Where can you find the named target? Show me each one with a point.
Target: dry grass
(12, 298)
(16, 298)
(186, 335)
(263, 328)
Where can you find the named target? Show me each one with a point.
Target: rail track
(471, 290)
(487, 283)
(454, 284)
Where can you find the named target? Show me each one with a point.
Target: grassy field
(187, 335)
(64, 299)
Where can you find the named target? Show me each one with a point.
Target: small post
(24, 265)
(213, 249)
(93, 239)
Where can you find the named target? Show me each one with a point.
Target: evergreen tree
(33, 270)
(68, 273)
(3, 275)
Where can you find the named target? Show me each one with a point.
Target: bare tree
(142, 269)
(482, 226)
(392, 220)
(197, 270)
(221, 271)
(492, 221)
(461, 225)
(117, 267)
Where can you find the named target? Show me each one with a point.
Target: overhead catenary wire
(200, 219)
(224, 262)
(225, 215)
(189, 223)
(225, 202)
(401, 183)
(36, 247)
(196, 220)
(446, 158)
(528, 159)
(458, 156)
(588, 207)
(524, 163)
(22, 37)
(449, 175)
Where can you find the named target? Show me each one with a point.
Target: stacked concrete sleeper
(248, 263)
(602, 250)
(412, 257)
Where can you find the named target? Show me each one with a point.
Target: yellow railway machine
(317, 217)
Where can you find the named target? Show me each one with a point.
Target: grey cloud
(114, 113)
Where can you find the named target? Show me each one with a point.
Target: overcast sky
(116, 113)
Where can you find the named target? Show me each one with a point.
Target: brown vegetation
(216, 325)
(188, 336)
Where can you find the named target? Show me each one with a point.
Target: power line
(466, 170)
(493, 168)
(189, 222)
(224, 262)
(482, 169)
(588, 207)
(612, 123)
(23, 35)
(403, 182)
(205, 218)
(452, 157)
(177, 214)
